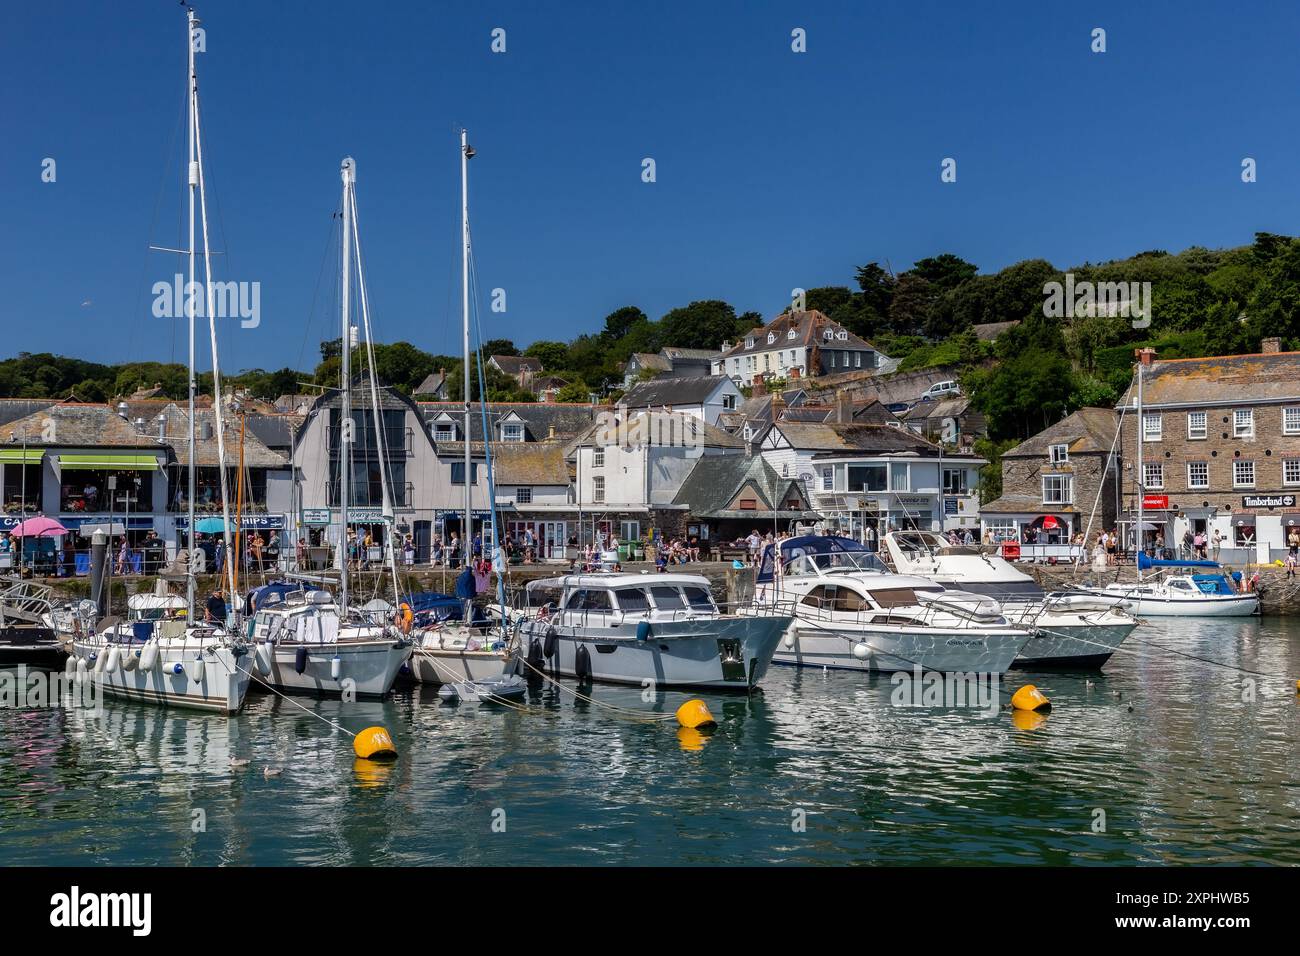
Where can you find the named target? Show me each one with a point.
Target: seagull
(239, 762)
(269, 772)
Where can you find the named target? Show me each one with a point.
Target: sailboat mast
(467, 533)
(1140, 479)
(192, 174)
(345, 420)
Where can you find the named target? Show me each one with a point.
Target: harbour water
(818, 769)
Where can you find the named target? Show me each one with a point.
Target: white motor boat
(157, 656)
(302, 642)
(1181, 589)
(1075, 630)
(850, 612)
(640, 628)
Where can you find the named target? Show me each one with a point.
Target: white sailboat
(453, 651)
(309, 640)
(1177, 590)
(174, 660)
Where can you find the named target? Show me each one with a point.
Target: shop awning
(1290, 519)
(1243, 519)
(108, 463)
(21, 456)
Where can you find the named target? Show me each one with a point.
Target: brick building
(1220, 447)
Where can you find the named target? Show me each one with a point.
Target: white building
(796, 345)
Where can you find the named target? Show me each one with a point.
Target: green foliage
(990, 476)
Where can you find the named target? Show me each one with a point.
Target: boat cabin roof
(616, 580)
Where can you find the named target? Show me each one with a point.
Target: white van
(941, 390)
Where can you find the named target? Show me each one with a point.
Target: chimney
(794, 372)
(843, 409)
(1271, 346)
(778, 406)
(550, 433)
(1146, 356)
(759, 386)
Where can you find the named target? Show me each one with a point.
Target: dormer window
(842, 335)
(1059, 454)
(791, 334)
(749, 342)
(771, 337)
(443, 431)
(512, 432)
(828, 335)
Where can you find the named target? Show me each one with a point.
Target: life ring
(544, 612)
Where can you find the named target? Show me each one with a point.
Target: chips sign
(1155, 502)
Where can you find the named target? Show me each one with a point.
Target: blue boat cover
(1145, 561)
(253, 600)
(797, 547)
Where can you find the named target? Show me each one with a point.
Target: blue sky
(774, 169)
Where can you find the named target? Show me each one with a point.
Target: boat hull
(1062, 646)
(221, 689)
(439, 665)
(1204, 605)
(713, 653)
(888, 650)
(366, 668)
(30, 646)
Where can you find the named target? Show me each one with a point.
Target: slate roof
(515, 364)
(275, 431)
(256, 454)
(652, 361)
(842, 438)
(1218, 379)
(652, 426)
(538, 417)
(77, 425)
(12, 409)
(715, 481)
(1087, 430)
(808, 330)
(661, 392)
(530, 464)
(873, 413)
(989, 331)
(433, 383)
(946, 408)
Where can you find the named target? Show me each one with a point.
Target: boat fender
(582, 664)
(535, 656)
(790, 638)
(552, 639)
(265, 654)
(98, 661)
(643, 632)
(1030, 697)
(336, 667)
(195, 670)
(113, 658)
(130, 660)
(148, 657)
(300, 660)
(70, 667)
(862, 650)
(178, 669)
(82, 668)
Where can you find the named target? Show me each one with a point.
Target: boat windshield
(841, 561)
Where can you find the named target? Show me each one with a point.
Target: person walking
(1216, 543)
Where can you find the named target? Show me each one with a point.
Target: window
(748, 504)
(512, 431)
(1151, 426)
(598, 458)
(1243, 532)
(729, 402)
(1196, 426)
(630, 530)
(1057, 489)
(828, 479)
(857, 360)
(667, 598)
(1243, 423)
(867, 478)
(1002, 529)
(444, 431)
(1059, 454)
(458, 473)
(842, 335)
(1198, 474)
(831, 359)
(523, 496)
(749, 342)
(1243, 474)
(899, 478)
(828, 335)
(1153, 474)
(771, 337)
(598, 489)
(632, 600)
(1291, 471)
(785, 470)
(844, 356)
(955, 481)
(790, 335)
(699, 599)
(1291, 421)
(588, 600)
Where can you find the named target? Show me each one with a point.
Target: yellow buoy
(1030, 697)
(372, 773)
(373, 743)
(694, 714)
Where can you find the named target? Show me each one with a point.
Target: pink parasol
(39, 527)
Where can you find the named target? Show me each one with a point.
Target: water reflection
(1186, 761)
